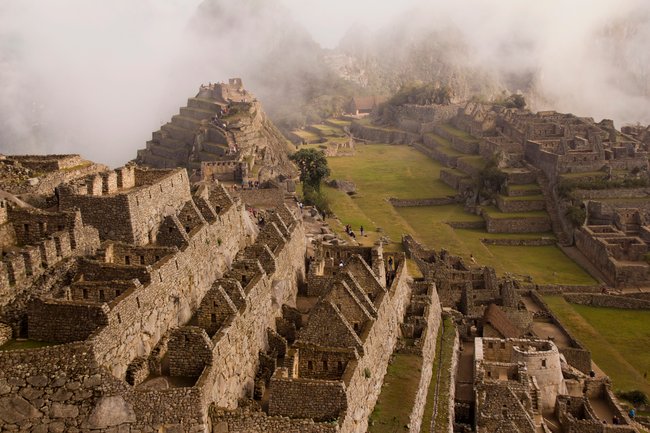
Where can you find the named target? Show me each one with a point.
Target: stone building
(143, 333)
(524, 385)
(618, 242)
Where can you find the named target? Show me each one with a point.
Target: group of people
(350, 232)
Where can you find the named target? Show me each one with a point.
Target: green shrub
(635, 397)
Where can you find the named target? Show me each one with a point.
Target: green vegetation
(381, 171)
(459, 133)
(313, 167)
(490, 180)
(421, 94)
(599, 182)
(618, 350)
(393, 408)
(444, 347)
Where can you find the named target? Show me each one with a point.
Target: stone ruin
(147, 292)
(541, 155)
(524, 385)
(223, 133)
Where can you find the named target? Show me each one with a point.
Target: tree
(313, 167)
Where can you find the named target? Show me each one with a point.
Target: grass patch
(618, 339)
(586, 174)
(340, 122)
(393, 408)
(456, 172)
(306, 135)
(444, 342)
(382, 171)
(458, 133)
(475, 161)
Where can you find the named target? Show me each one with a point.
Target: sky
(97, 77)
(329, 20)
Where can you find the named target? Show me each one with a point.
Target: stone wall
(137, 322)
(511, 205)
(517, 225)
(365, 380)
(466, 224)
(608, 301)
(520, 242)
(429, 336)
(455, 179)
(321, 400)
(246, 421)
(238, 343)
(5, 333)
(57, 321)
(396, 202)
(131, 215)
(86, 396)
(576, 354)
(382, 135)
(262, 198)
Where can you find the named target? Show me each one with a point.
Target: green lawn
(383, 171)
(618, 340)
(444, 342)
(340, 122)
(393, 408)
(458, 133)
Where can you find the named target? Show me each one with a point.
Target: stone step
(174, 154)
(217, 136)
(176, 132)
(197, 113)
(186, 122)
(521, 204)
(208, 156)
(216, 148)
(523, 190)
(156, 161)
(172, 143)
(203, 104)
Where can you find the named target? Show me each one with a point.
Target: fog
(97, 78)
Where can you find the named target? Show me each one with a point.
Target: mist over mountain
(97, 78)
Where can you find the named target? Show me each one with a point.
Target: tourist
(632, 413)
(352, 235)
(341, 263)
(615, 420)
(390, 263)
(361, 230)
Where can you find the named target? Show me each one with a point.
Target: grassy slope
(621, 351)
(447, 341)
(382, 171)
(392, 411)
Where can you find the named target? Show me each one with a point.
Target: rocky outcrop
(226, 124)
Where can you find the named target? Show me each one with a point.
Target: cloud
(96, 77)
